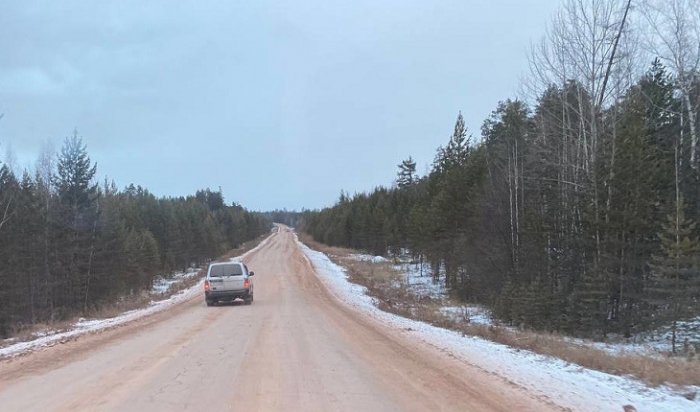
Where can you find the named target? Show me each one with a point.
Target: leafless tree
(5, 213)
(673, 36)
(5, 210)
(585, 43)
(45, 169)
(46, 164)
(588, 47)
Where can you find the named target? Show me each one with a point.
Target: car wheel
(210, 303)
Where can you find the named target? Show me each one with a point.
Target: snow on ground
(368, 258)
(687, 331)
(416, 276)
(655, 343)
(473, 314)
(420, 280)
(162, 284)
(83, 326)
(568, 384)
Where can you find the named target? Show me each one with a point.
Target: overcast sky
(281, 104)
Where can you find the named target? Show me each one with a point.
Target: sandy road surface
(295, 348)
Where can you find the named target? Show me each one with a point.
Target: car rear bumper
(212, 295)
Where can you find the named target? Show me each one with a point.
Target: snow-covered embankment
(566, 384)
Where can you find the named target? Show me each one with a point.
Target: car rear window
(226, 270)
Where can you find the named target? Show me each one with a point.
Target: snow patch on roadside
(654, 343)
(368, 258)
(83, 326)
(572, 385)
(419, 278)
(162, 284)
(473, 314)
(416, 277)
(688, 331)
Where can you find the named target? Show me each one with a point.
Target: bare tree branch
(612, 55)
(6, 214)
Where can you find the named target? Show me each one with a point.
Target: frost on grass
(564, 383)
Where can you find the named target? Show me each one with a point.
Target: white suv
(228, 282)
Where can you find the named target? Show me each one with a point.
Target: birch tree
(581, 52)
(583, 45)
(6, 195)
(674, 37)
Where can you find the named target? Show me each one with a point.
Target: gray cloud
(282, 104)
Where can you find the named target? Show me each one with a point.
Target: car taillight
(206, 285)
(246, 283)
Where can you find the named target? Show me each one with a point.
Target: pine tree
(76, 219)
(552, 217)
(588, 304)
(68, 247)
(406, 175)
(27, 238)
(676, 276)
(9, 311)
(74, 178)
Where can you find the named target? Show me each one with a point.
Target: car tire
(210, 303)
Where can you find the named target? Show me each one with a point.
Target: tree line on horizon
(290, 218)
(69, 246)
(575, 213)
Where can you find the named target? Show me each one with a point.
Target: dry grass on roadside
(123, 304)
(384, 283)
(29, 332)
(243, 248)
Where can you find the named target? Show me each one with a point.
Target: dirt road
(295, 349)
